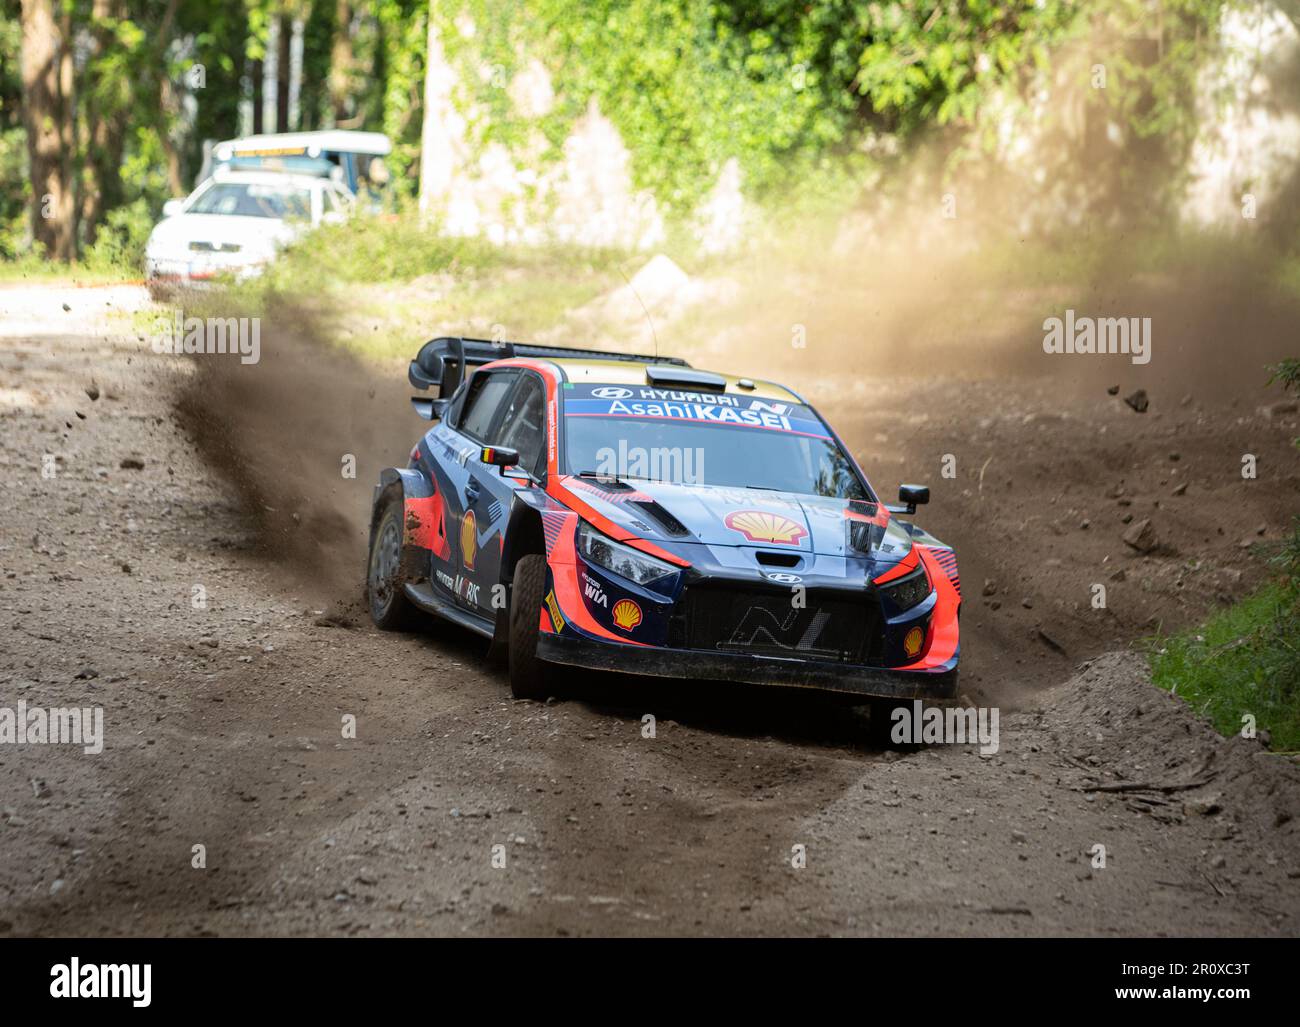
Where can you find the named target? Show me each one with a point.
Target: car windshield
(254, 200)
(711, 439)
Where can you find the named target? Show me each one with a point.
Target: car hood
(719, 516)
(221, 229)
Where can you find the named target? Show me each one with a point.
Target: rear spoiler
(443, 361)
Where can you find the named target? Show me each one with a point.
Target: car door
(523, 425)
(482, 494)
(520, 426)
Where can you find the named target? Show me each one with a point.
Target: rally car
(634, 514)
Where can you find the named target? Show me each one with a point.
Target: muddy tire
(389, 607)
(529, 676)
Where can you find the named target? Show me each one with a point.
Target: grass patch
(34, 270)
(391, 283)
(383, 322)
(1243, 660)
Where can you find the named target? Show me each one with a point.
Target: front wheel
(389, 607)
(529, 676)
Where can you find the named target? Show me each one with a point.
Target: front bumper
(818, 676)
(198, 270)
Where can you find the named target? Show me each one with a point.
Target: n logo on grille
(793, 630)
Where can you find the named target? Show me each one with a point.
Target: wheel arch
(403, 484)
(523, 537)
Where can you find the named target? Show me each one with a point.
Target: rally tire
(389, 607)
(529, 676)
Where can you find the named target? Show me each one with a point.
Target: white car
(236, 221)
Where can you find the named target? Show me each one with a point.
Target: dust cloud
(286, 431)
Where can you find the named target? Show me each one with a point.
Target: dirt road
(224, 719)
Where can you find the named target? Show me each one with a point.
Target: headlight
(622, 560)
(908, 591)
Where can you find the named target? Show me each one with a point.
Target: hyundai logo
(611, 392)
(784, 579)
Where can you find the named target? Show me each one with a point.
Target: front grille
(744, 619)
(214, 247)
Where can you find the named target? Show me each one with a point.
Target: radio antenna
(649, 320)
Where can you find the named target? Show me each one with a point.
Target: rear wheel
(389, 607)
(529, 676)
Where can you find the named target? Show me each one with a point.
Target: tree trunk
(255, 73)
(170, 105)
(341, 61)
(46, 117)
(71, 207)
(440, 145)
(105, 128)
(282, 74)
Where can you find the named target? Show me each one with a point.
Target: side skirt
(423, 596)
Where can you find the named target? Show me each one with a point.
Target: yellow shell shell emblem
(626, 614)
(912, 641)
(468, 539)
(762, 526)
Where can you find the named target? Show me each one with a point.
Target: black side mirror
(910, 496)
(914, 495)
(499, 456)
(425, 370)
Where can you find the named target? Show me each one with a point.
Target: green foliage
(1245, 659)
(936, 63)
(689, 84)
(1242, 661)
(13, 140)
(219, 45)
(1150, 80)
(14, 231)
(120, 243)
(373, 249)
(793, 90)
(1286, 373)
(405, 38)
(1287, 559)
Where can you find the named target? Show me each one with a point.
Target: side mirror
(910, 496)
(499, 456)
(173, 207)
(914, 495)
(425, 370)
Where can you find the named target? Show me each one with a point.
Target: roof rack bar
(501, 350)
(440, 360)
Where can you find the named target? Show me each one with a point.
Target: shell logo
(912, 641)
(468, 539)
(762, 526)
(626, 614)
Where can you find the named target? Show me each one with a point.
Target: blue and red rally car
(634, 514)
